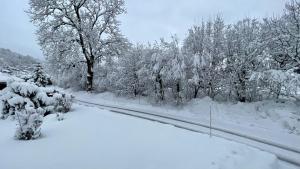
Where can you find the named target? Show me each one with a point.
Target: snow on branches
(278, 83)
(215, 59)
(78, 31)
(29, 123)
(28, 103)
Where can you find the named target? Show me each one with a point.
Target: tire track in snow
(284, 153)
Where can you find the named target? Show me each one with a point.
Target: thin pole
(210, 120)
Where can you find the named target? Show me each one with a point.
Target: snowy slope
(91, 138)
(10, 58)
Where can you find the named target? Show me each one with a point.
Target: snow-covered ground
(4, 77)
(276, 122)
(92, 138)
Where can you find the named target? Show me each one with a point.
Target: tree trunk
(211, 92)
(161, 87)
(90, 75)
(162, 93)
(278, 91)
(136, 85)
(195, 92)
(178, 99)
(242, 91)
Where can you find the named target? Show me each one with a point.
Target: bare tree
(85, 29)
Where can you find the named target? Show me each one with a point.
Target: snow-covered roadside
(268, 120)
(93, 138)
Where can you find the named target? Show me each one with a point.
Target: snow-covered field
(92, 138)
(276, 122)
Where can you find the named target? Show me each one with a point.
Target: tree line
(249, 60)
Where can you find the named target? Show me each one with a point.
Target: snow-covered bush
(28, 104)
(61, 102)
(20, 95)
(17, 97)
(29, 123)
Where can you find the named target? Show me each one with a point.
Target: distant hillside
(13, 59)
(15, 63)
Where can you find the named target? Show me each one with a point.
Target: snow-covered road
(270, 137)
(92, 138)
(285, 153)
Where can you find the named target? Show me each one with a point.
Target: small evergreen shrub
(39, 77)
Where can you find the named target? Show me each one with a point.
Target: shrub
(29, 123)
(19, 95)
(28, 104)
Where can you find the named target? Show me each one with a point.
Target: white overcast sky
(146, 20)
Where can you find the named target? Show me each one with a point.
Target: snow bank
(92, 138)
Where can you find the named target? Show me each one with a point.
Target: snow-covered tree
(84, 29)
(278, 83)
(205, 49)
(243, 52)
(282, 35)
(158, 70)
(129, 80)
(193, 49)
(40, 78)
(176, 73)
(214, 56)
